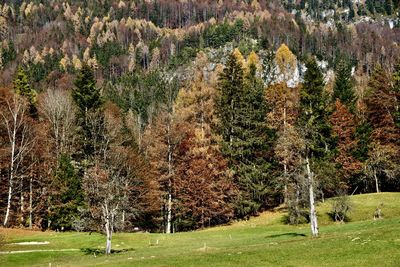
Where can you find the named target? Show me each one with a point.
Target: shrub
(340, 207)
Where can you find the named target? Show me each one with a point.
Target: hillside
(261, 241)
(170, 116)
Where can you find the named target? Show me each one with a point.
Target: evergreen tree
(314, 112)
(23, 88)
(313, 124)
(370, 6)
(389, 7)
(343, 87)
(89, 102)
(242, 111)
(67, 197)
(86, 96)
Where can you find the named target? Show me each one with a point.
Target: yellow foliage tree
(286, 61)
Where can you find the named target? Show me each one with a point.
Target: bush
(296, 216)
(340, 207)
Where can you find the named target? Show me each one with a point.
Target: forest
(170, 116)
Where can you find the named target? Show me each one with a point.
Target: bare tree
(113, 184)
(105, 190)
(381, 163)
(57, 107)
(14, 120)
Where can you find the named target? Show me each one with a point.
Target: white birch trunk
(10, 188)
(313, 215)
(30, 202)
(170, 173)
(108, 228)
(169, 214)
(22, 203)
(12, 132)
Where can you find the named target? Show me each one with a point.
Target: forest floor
(260, 241)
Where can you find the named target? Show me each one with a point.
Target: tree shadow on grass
(96, 251)
(285, 234)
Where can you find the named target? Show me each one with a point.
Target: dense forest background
(176, 115)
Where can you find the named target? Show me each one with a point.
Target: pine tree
(313, 112)
(67, 197)
(343, 87)
(89, 102)
(228, 101)
(86, 96)
(313, 123)
(242, 110)
(23, 88)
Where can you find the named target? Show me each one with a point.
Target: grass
(261, 241)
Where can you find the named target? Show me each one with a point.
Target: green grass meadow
(261, 241)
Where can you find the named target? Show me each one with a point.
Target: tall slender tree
(313, 123)
(382, 106)
(88, 100)
(206, 191)
(344, 127)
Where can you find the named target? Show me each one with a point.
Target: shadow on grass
(285, 234)
(96, 251)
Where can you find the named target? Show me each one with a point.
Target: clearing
(261, 241)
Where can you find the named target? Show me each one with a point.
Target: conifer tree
(23, 88)
(343, 87)
(313, 112)
(242, 111)
(89, 102)
(313, 123)
(205, 190)
(389, 7)
(67, 197)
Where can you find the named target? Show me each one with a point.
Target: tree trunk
(30, 202)
(10, 184)
(285, 189)
(313, 215)
(22, 203)
(108, 228)
(376, 182)
(10, 187)
(285, 172)
(108, 243)
(170, 174)
(169, 214)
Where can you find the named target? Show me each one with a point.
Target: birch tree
(14, 120)
(105, 188)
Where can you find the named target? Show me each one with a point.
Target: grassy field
(261, 241)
